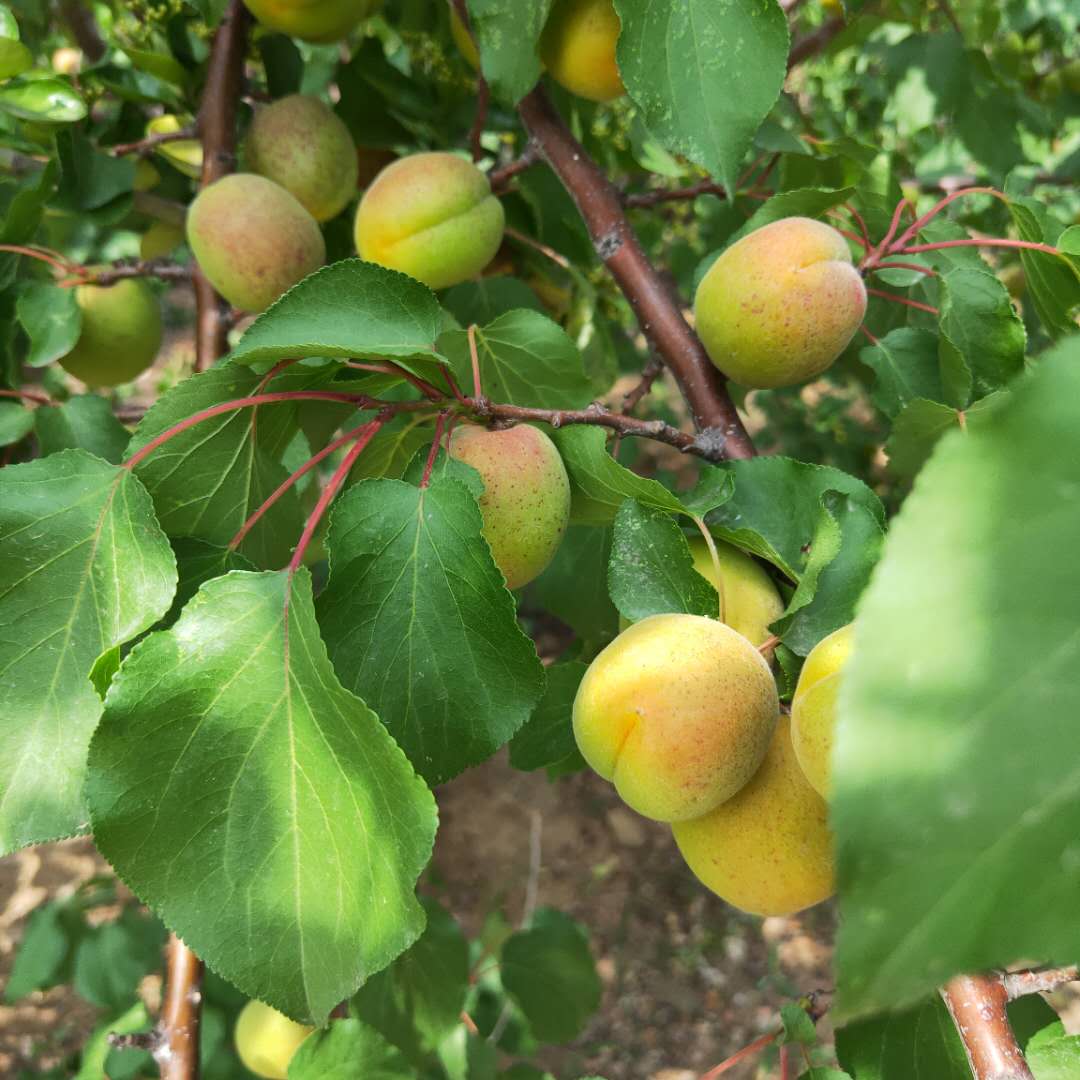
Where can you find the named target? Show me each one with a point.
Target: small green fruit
(781, 304)
(121, 333)
(160, 239)
(526, 500)
(253, 240)
(431, 216)
(302, 144)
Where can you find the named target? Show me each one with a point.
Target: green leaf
(922, 1041)
(350, 309)
(86, 423)
(548, 737)
(97, 1053)
(52, 320)
(9, 27)
(506, 33)
(16, 422)
(112, 959)
(395, 446)
(419, 623)
(83, 567)
(416, 1001)
(41, 953)
(208, 480)
(574, 587)
(309, 826)
(1057, 1059)
(479, 302)
(798, 1025)
(982, 337)
(956, 765)
(348, 1050)
(651, 571)
(89, 179)
(525, 359)
(917, 429)
(705, 75)
(549, 971)
(49, 101)
(600, 485)
(198, 562)
(15, 58)
(905, 363)
(802, 202)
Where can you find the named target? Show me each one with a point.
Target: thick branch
(656, 308)
(977, 1004)
(84, 29)
(217, 126)
(177, 1054)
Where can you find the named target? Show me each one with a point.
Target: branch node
(609, 244)
(710, 443)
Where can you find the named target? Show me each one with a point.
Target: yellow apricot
(677, 713)
(578, 48)
(266, 1040)
(312, 20)
(750, 599)
(813, 708)
(781, 304)
(183, 154)
(768, 850)
(431, 216)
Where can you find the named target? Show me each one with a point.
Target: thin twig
(644, 199)
(903, 300)
(28, 395)
(740, 1055)
(149, 143)
(476, 132)
(537, 245)
(500, 177)
(162, 269)
(649, 374)
(1019, 984)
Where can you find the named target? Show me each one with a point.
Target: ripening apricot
(311, 20)
(526, 499)
(266, 1040)
(768, 850)
(300, 143)
(677, 712)
(578, 48)
(183, 154)
(781, 304)
(813, 708)
(431, 216)
(252, 239)
(121, 333)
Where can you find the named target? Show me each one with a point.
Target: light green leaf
(507, 32)
(651, 571)
(549, 971)
(956, 762)
(704, 74)
(84, 567)
(905, 362)
(917, 429)
(348, 1050)
(485, 299)
(16, 422)
(47, 101)
(15, 58)
(419, 623)
(309, 828)
(1056, 1059)
(86, 423)
(52, 320)
(525, 359)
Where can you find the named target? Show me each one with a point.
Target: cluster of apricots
(681, 713)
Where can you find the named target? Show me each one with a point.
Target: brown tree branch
(142, 147)
(177, 1053)
(813, 43)
(217, 126)
(977, 1005)
(500, 178)
(162, 269)
(84, 29)
(1019, 984)
(645, 199)
(720, 430)
(649, 374)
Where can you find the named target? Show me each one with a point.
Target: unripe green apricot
(302, 144)
(121, 333)
(252, 239)
(312, 20)
(266, 1040)
(578, 48)
(526, 499)
(781, 304)
(160, 239)
(677, 712)
(431, 216)
(768, 850)
(813, 708)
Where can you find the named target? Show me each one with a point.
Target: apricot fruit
(121, 333)
(311, 20)
(431, 216)
(813, 708)
(252, 239)
(300, 143)
(526, 499)
(749, 596)
(183, 154)
(677, 712)
(159, 239)
(768, 850)
(781, 304)
(578, 48)
(266, 1040)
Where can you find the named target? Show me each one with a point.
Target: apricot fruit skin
(750, 599)
(780, 305)
(431, 216)
(768, 850)
(578, 48)
(161, 238)
(311, 20)
(526, 499)
(813, 707)
(252, 239)
(677, 712)
(121, 333)
(266, 1040)
(300, 143)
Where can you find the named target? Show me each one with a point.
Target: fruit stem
(918, 224)
(715, 556)
(755, 1047)
(474, 356)
(1027, 245)
(903, 300)
(28, 395)
(433, 453)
